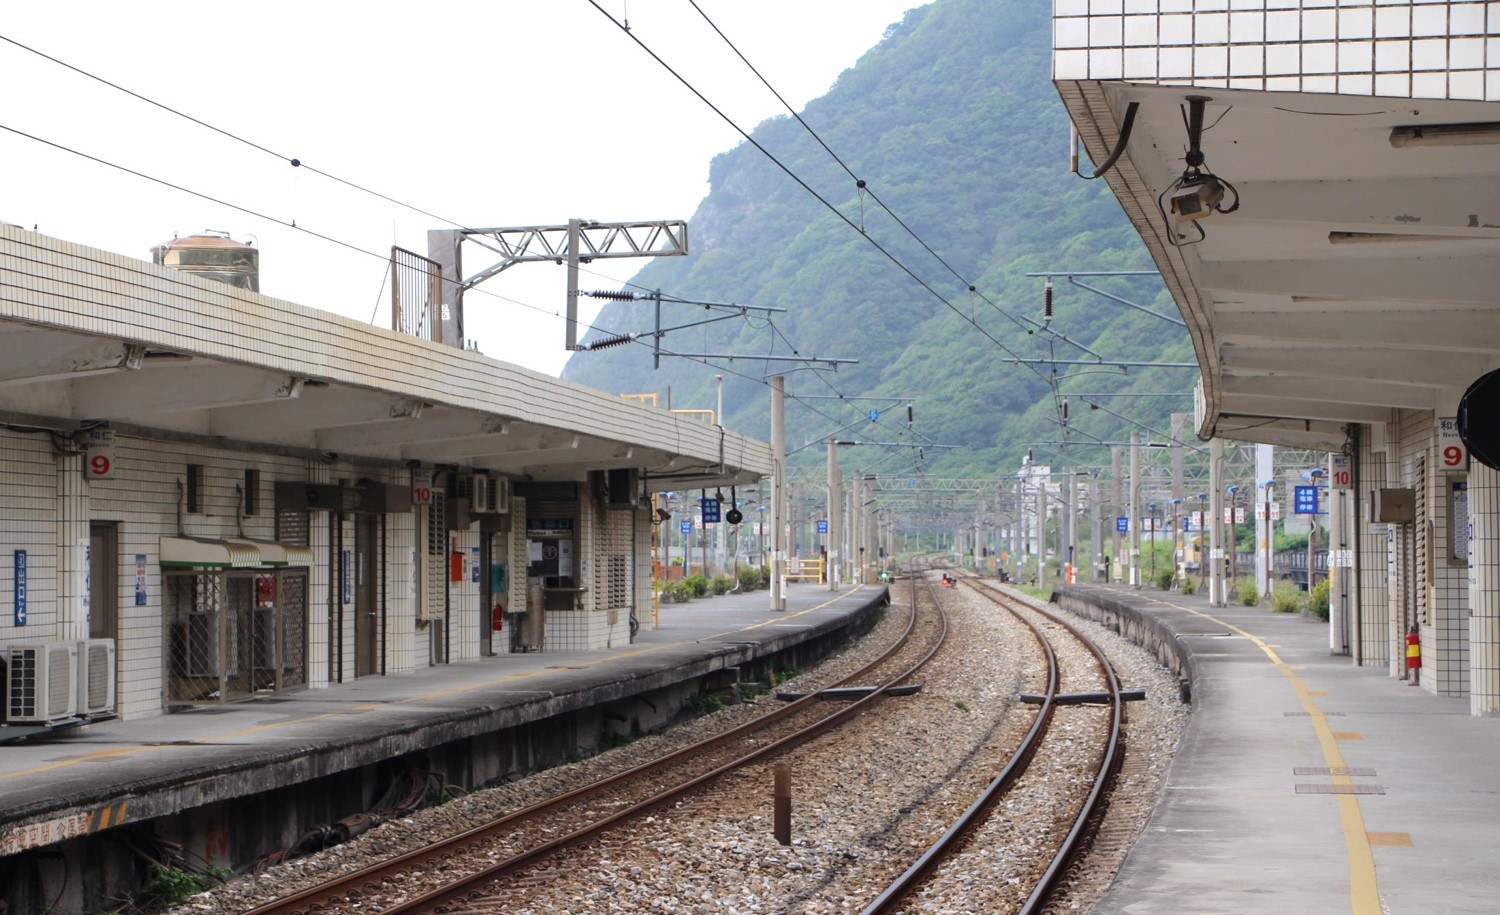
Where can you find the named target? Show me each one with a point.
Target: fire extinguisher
(1413, 651)
(497, 618)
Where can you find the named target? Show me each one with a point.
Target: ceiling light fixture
(1416, 136)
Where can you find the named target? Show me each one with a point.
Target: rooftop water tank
(214, 255)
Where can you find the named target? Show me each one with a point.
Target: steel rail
(1109, 764)
(472, 886)
(894, 894)
(319, 897)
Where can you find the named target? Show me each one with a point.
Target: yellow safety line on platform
(364, 707)
(1364, 893)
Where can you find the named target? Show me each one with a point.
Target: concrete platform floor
(80, 780)
(1245, 825)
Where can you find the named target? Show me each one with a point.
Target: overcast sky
(499, 113)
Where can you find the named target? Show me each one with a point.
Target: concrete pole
(1016, 540)
(1096, 528)
(778, 491)
(1135, 510)
(835, 506)
(1073, 576)
(1264, 526)
(1215, 524)
(1116, 502)
(1041, 535)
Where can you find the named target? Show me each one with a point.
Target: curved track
(523, 839)
(1111, 753)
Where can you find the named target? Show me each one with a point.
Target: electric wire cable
(860, 184)
(817, 196)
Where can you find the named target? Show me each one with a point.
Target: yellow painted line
(367, 706)
(1364, 893)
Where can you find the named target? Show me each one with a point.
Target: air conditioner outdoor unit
(491, 496)
(41, 682)
(96, 677)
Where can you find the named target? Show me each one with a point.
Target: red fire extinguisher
(1413, 650)
(497, 618)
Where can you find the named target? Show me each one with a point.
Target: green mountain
(955, 128)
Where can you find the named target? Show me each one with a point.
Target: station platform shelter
(1318, 185)
(214, 495)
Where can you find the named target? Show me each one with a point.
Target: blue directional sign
(1122, 525)
(710, 511)
(1305, 500)
(822, 525)
(18, 585)
(686, 526)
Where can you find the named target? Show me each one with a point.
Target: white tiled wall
(1441, 49)
(1484, 591)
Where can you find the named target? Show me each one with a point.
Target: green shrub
(1317, 600)
(720, 584)
(705, 703)
(1286, 598)
(750, 578)
(681, 591)
(1188, 585)
(697, 583)
(170, 886)
(1247, 592)
(1164, 579)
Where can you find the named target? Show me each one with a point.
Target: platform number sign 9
(99, 454)
(1452, 454)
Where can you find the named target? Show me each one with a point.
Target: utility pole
(1117, 503)
(778, 491)
(1041, 535)
(1215, 522)
(835, 508)
(1135, 509)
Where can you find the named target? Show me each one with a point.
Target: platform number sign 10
(1452, 454)
(421, 487)
(1340, 477)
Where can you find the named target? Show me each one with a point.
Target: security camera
(1196, 197)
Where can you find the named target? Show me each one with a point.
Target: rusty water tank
(213, 254)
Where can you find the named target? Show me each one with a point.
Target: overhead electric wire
(291, 160)
(860, 183)
(817, 196)
(384, 258)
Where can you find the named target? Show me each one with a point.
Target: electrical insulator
(614, 295)
(1047, 301)
(607, 342)
(1065, 411)
(908, 414)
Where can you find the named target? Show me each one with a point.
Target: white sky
(498, 113)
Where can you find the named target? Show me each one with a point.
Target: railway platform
(1305, 784)
(78, 782)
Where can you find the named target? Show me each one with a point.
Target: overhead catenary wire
(292, 224)
(885, 252)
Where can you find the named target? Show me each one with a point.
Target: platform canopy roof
(1361, 270)
(89, 337)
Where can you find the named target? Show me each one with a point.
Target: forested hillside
(953, 124)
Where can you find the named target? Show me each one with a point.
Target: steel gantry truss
(579, 241)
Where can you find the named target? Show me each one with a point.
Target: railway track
(526, 838)
(949, 849)
(646, 826)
